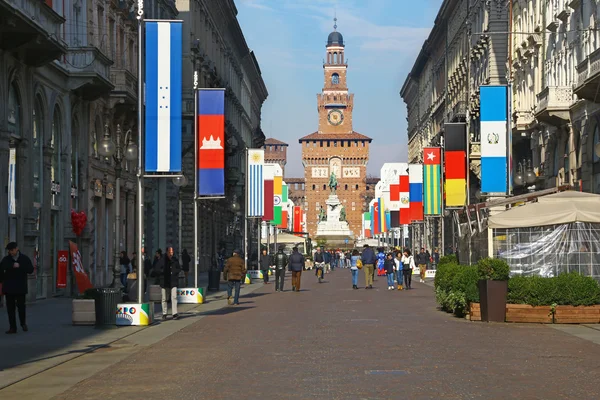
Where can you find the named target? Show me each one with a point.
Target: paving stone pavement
(331, 342)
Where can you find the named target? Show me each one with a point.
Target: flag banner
(83, 281)
(394, 203)
(375, 217)
(415, 181)
(268, 178)
(404, 217)
(163, 57)
(388, 219)
(455, 164)
(284, 193)
(297, 219)
(381, 215)
(432, 198)
(277, 199)
(256, 186)
(494, 138)
(284, 220)
(211, 141)
(367, 224)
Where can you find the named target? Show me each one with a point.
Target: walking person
(327, 257)
(389, 266)
(124, 261)
(408, 264)
(166, 271)
(398, 262)
(422, 261)
(296, 263)
(280, 261)
(234, 271)
(435, 258)
(14, 269)
(319, 259)
(265, 263)
(368, 258)
(355, 265)
(185, 264)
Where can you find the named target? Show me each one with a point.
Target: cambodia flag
(211, 141)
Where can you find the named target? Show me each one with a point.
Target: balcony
(553, 105)
(523, 120)
(31, 29)
(89, 70)
(588, 78)
(123, 76)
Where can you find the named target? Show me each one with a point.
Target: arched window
(595, 157)
(314, 187)
(14, 111)
(36, 157)
(346, 187)
(324, 187)
(335, 58)
(335, 79)
(55, 144)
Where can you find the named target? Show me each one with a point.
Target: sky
(383, 39)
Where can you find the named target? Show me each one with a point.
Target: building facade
(215, 47)
(276, 152)
(335, 148)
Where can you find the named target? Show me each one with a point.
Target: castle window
(335, 143)
(335, 58)
(324, 187)
(295, 186)
(321, 143)
(303, 186)
(328, 143)
(356, 187)
(335, 79)
(342, 143)
(314, 187)
(346, 187)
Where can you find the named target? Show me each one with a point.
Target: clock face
(335, 117)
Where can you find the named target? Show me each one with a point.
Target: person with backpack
(281, 261)
(408, 264)
(296, 262)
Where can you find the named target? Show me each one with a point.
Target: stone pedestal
(336, 232)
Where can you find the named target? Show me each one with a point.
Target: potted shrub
(84, 309)
(493, 287)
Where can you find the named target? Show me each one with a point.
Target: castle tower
(335, 147)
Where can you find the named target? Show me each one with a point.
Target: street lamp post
(180, 182)
(107, 149)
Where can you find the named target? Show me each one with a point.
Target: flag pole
(196, 174)
(139, 180)
(246, 212)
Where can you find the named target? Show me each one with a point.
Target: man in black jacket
(14, 269)
(369, 260)
(280, 261)
(265, 263)
(296, 266)
(167, 273)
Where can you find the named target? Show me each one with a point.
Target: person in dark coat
(167, 272)
(296, 263)
(185, 264)
(234, 271)
(14, 269)
(281, 261)
(265, 263)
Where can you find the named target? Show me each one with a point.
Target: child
(398, 262)
(388, 266)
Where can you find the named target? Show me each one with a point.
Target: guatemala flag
(163, 96)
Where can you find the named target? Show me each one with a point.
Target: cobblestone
(331, 342)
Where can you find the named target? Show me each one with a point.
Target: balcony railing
(588, 77)
(553, 104)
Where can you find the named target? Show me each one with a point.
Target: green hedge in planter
(493, 269)
(456, 287)
(565, 289)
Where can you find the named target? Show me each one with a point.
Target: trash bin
(214, 280)
(106, 305)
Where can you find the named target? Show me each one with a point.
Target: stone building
(466, 48)
(276, 152)
(335, 147)
(214, 46)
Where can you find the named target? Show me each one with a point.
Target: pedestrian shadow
(254, 294)
(229, 310)
(88, 349)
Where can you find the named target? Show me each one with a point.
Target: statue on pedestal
(322, 216)
(333, 183)
(343, 214)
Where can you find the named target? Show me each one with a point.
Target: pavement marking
(364, 320)
(385, 372)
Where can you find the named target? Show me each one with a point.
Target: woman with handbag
(355, 265)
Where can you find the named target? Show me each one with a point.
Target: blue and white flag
(494, 138)
(256, 189)
(163, 96)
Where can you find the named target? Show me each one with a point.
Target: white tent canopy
(554, 209)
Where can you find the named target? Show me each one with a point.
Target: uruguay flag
(211, 142)
(163, 96)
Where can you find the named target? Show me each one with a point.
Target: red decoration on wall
(78, 221)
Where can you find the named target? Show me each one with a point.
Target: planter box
(492, 295)
(475, 312)
(527, 313)
(83, 312)
(577, 315)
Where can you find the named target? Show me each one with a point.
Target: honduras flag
(163, 96)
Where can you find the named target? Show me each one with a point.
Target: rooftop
(335, 136)
(272, 141)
